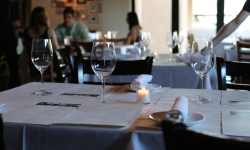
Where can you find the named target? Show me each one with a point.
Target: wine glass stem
(201, 87)
(171, 51)
(103, 86)
(42, 81)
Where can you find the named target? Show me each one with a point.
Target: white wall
(155, 17)
(114, 16)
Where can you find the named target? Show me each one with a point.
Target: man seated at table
(77, 30)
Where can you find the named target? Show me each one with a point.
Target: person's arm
(53, 38)
(132, 34)
(230, 27)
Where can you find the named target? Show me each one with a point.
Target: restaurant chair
(243, 49)
(234, 69)
(121, 41)
(190, 40)
(136, 67)
(178, 137)
(80, 48)
(2, 143)
(52, 73)
(4, 73)
(66, 62)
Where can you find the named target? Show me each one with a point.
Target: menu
(37, 114)
(116, 114)
(236, 122)
(95, 113)
(235, 97)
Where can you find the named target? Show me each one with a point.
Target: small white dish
(153, 87)
(2, 104)
(192, 118)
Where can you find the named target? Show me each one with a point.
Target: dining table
(74, 117)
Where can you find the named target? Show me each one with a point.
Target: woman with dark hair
(39, 27)
(134, 27)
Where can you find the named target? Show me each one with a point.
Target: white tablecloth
(142, 134)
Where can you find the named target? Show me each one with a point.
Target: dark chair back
(177, 137)
(66, 61)
(234, 69)
(2, 144)
(243, 55)
(86, 46)
(136, 67)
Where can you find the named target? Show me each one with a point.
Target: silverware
(239, 102)
(58, 104)
(87, 95)
(240, 113)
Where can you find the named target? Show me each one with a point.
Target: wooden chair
(243, 55)
(235, 69)
(178, 137)
(53, 73)
(136, 67)
(121, 41)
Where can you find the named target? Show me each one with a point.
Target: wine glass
(41, 56)
(202, 61)
(141, 41)
(178, 38)
(171, 43)
(103, 61)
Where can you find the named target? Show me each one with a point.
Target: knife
(239, 102)
(87, 95)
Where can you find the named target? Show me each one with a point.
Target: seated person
(134, 27)
(39, 27)
(77, 30)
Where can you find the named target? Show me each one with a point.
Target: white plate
(2, 103)
(153, 87)
(192, 118)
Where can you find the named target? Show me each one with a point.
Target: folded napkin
(179, 110)
(186, 57)
(141, 80)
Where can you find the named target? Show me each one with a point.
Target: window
(204, 13)
(231, 9)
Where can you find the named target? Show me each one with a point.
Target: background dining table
(142, 133)
(169, 74)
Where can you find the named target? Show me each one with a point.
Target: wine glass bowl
(171, 43)
(41, 57)
(103, 61)
(202, 61)
(141, 41)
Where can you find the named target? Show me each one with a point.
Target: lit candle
(156, 56)
(143, 95)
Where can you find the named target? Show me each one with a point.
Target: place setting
(179, 112)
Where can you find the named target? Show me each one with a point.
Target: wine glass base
(171, 60)
(200, 100)
(42, 93)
